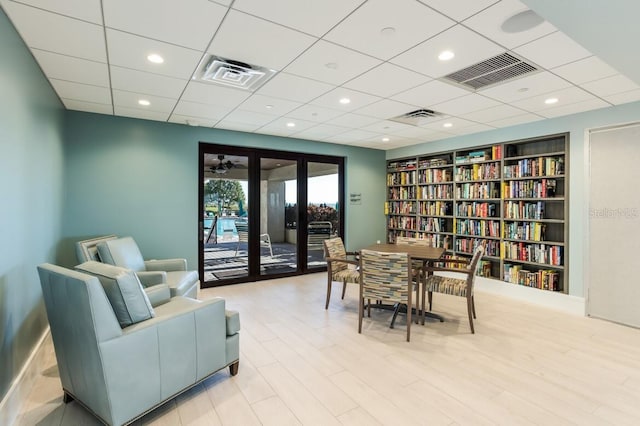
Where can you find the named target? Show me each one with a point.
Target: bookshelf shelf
(511, 196)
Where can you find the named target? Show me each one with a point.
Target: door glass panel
(225, 211)
(323, 214)
(278, 216)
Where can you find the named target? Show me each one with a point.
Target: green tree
(224, 192)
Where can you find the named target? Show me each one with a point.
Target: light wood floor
(300, 364)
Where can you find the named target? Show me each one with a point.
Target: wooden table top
(416, 251)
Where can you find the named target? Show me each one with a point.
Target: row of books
(433, 162)
(537, 253)
(482, 228)
(476, 209)
(432, 224)
(543, 188)
(403, 222)
(435, 191)
(524, 210)
(478, 190)
(475, 156)
(434, 175)
(435, 208)
(401, 178)
(531, 167)
(543, 279)
(532, 231)
(399, 207)
(402, 165)
(478, 172)
(468, 245)
(402, 193)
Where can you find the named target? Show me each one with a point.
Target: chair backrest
(317, 232)
(410, 240)
(472, 266)
(385, 276)
(123, 252)
(334, 247)
(212, 234)
(88, 249)
(242, 227)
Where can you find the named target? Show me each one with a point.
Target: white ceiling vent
(491, 72)
(418, 117)
(214, 69)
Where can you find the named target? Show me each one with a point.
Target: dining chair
(385, 277)
(417, 266)
(462, 287)
(242, 227)
(341, 266)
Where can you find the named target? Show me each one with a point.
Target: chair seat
(183, 283)
(447, 285)
(347, 275)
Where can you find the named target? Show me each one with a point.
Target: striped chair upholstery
(341, 266)
(462, 287)
(385, 277)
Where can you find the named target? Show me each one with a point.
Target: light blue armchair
(120, 374)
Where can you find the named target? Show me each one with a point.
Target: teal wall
(578, 126)
(31, 164)
(140, 178)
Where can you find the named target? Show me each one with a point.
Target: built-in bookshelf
(511, 197)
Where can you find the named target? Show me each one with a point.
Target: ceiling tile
(489, 21)
(407, 23)
(535, 84)
(294, 88)
(56, 33)
(191, 121)
(314, 17)
(352, 121)
(321, 131)
(239, 127)
(97, 108)
(130, 100)
(387, 127)
(63, 67)
(331, 63)
(565, 97)
(187, 23)
(431, 93)
(332, 99)
(553, 50)
(86, 10)
(493, 113)
(213, 94)
(195, 109)
(269, 105)
(279, 126)
(610, 85)
(386, 109)
(315, 113)
(353, 136)
(130, 51)
(467, 130)
(81, 92)
(250, 117)
(624, 97)
(469, 49)
(386, 80)
(415, 132)
(459, 9)
(246, 38)
(576, 107)
(456, 123)
(145, 82)
(465, 104)
(515, 120)
(584, 70)
(142, 114)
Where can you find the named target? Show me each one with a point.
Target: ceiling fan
(223, 166)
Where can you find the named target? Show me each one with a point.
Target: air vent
(214, 69)
(491, 71)
(418, 117)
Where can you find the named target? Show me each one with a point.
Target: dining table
(426, 254)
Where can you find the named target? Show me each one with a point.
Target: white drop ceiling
(381, 54)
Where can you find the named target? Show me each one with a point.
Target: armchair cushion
(123, 252)
(124, 291)
(88, 249)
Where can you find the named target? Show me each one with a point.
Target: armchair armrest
(158, 294)
(151, 278)
(339, 259)
(166, 265)
(457, 270)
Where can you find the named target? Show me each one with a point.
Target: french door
(264, 213)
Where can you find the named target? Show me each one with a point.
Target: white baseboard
(549, 299)
(23, 384)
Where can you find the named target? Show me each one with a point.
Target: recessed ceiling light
(521, 21)
(388, 31)
(523, 89)
(447, 125)
(155, 58)
(291, 124)
(385, 139)
(345, 101)
(331, 65)
(446, 55)
(551, 101)
(144, 102)
(269, 106)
